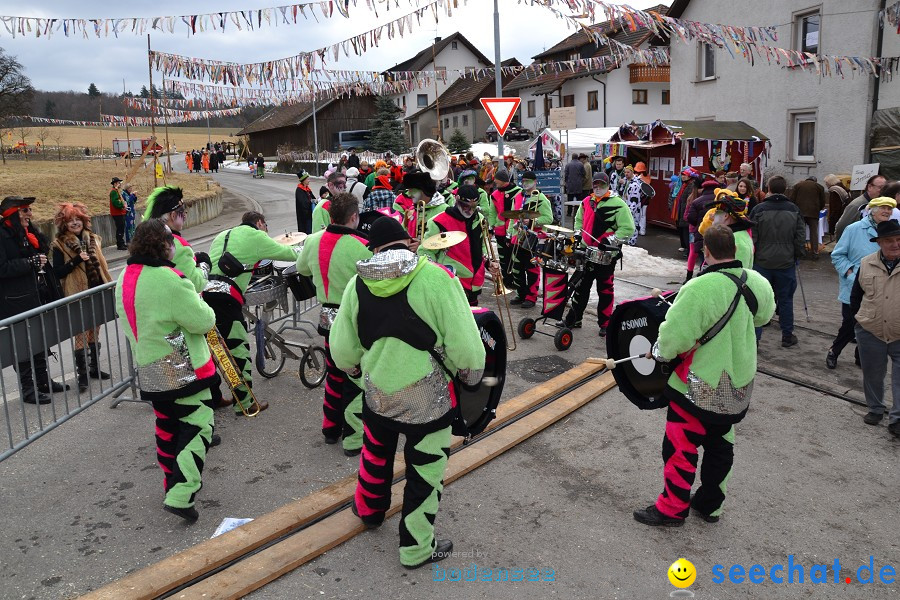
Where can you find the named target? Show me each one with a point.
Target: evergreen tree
(458, 142)
(145, 93)
(386, 128)
(50, 109)
(93, 92)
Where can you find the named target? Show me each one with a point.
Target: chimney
(437, 39)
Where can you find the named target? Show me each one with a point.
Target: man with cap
(403, 310)
(117, 210)
(616, 174)
(330, 257)
(605, 222)
(873, 301)
(470, 177)
(525, 237)
(730, 209)
(419, 200)
(26, 282)
(335, 183)
(304, 200)
(504, 198)
(247, 244)
(467, 259)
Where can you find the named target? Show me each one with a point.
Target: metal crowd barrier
(50, 330)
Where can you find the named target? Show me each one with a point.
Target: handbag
(228, 264)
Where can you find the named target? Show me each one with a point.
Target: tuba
(433, 158)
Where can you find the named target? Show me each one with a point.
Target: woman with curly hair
(79, 264)
(165, 322)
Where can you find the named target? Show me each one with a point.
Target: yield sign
(500, 111)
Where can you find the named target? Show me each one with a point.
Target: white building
(602, 98)
(448, 54)
(817, 125)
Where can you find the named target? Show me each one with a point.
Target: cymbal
(444, 240)
(290, 239)
(520, 214)
(557, 229)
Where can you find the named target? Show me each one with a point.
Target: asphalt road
(82, 506)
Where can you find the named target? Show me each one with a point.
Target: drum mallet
(657, 293)
(611, 364)
(490, 381)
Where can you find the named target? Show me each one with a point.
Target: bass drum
(478, 404)
(633, 329)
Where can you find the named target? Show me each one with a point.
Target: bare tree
(56, 134)
(42, 134)
(23, 132)
(16, 92)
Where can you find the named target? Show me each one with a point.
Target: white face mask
(469, 181)
(528, 185)
(600, 191)
(415, 195)
(719, 217)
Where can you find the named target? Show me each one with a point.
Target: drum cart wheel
(563, 339)
(274, 359)
(312, 367)
(526, 328)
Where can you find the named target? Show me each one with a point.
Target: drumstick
(490, 381)
(657, 293)
(611, 364)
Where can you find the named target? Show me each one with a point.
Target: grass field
(52, 182)
(184, 138)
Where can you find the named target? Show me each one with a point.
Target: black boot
(42, 377)
(95, 371)
(81, 369)
(30, 394)
(688, 277)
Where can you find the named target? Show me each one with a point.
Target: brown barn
(293, 125)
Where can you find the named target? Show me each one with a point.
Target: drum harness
(742, 291)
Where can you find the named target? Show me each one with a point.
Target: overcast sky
(72, 63)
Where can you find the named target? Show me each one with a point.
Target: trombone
(500, 291)
(225, 361)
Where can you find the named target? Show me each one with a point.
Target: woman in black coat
(26, 282)
(304, 201)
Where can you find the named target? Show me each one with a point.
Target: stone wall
(200, 210)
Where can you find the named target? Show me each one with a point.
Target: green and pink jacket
(467, 257)
(249, 245)
(330, 258)
(186, 263)
(165, 321)
(397, 282)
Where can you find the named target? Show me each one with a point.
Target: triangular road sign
(501, 111)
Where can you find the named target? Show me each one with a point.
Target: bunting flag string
(170, 118)
(46, 121)
(892, 14)
(250, 20)
(299, 65)
(748, 42)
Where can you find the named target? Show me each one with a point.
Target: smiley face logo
(682, 573)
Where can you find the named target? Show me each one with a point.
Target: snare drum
(478, 405)
(528, 241)
(600, 257)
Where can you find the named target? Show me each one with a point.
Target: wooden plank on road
(178, 569)
(273, 562)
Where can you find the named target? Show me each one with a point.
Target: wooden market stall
(666, 147)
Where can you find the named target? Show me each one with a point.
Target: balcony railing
(647, 74)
